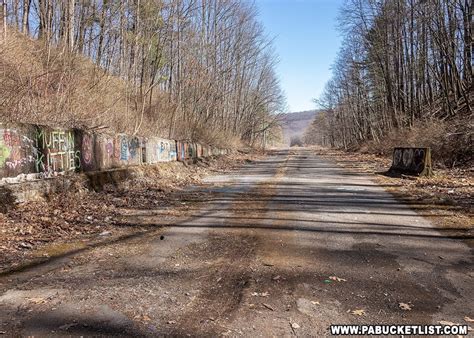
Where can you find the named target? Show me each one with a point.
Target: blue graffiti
(133, 147)
(123, 149)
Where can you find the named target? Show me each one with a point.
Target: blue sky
(306, 41)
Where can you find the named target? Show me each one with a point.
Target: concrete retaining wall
(18, 153)
(55, 151)
(160, 150)
(30, 152)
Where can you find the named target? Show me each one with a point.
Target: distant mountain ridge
(295, 124)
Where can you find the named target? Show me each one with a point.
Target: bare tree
(401, 61)
(199, 69)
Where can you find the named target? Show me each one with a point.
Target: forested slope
(187, 69)
(402, 77)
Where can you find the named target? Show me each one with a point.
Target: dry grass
(450, 141)
(49, 85)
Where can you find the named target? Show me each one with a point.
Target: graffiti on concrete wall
(17, 152)
(105, 156)
(181, 151)
(56, 151)
(159, 150)
(109, 147)
(167, 150)
(172, 152)
(102, 151)
(116, 148)
(134, 148)
(87, 149)
(412, 161)
(47, 152)
(190, 148)
(118, 151)
(123, 149)
(4, 154)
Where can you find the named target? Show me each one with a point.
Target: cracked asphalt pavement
(290, 239)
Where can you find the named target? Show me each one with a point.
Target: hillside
(93, 66)
(295, 124)
(50, 86)
(403, 89)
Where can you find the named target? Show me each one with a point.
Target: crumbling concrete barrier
(38, 160)
(29, 152)
(56, 151)
(412, 161)
(18, 152)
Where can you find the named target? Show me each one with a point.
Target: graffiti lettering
(51, 152)
(4, 154)
(123, 149)
(412, 160)
(109, 147)
(117, 148)
(18, 163)
(133, 147)
(15, 152)
(397, 157)
(87, 148)
(11, 138)
(407, 157)
(57, 151)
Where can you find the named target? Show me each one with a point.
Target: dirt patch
(234, 264)
(66, 221)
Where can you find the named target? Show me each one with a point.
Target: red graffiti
(87, 148)
(11, 138)
(117, 148)
(109, 148)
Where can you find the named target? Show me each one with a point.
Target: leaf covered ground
(72, 220)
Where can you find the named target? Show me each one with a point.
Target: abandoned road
(284, 246)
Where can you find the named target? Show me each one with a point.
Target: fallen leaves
(36, 300)
(405, 306)
(449, 187)
(295, 325)
(80, 212)
(468, 319)
(260, 294)
(337, 279)
(358, 312)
